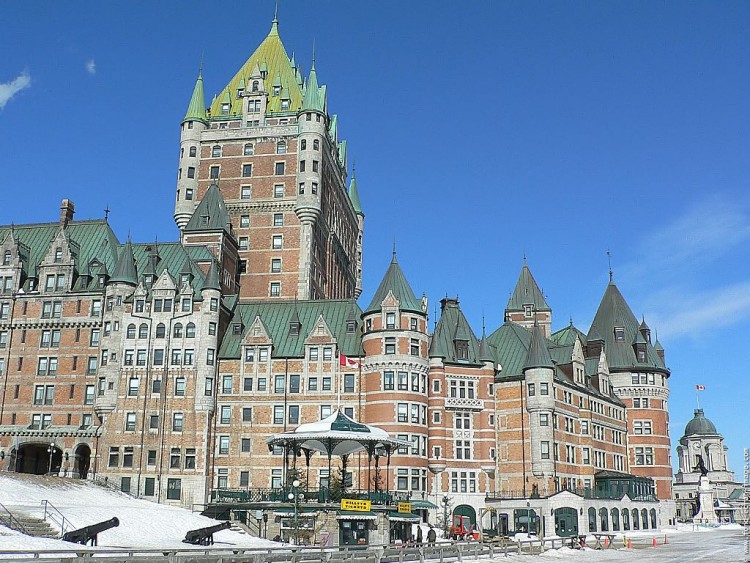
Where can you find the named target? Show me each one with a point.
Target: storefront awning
(290, 512)
(355, 515)
(422, 505)
(403, 517)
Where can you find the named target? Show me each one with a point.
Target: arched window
(653, 517)
(281, 147)
(615, 520)
(592, 519)
(303, 145)
(644, 518)
(255, 86)
(161, 330)
(635, 518)
(192, 151)
(316, 145)
(190, 330)
(6, 258)
(130, 331)
(625, 519)
(143, 331)
(216, 151)
(177, 330)
(249, 149)
(603, 516)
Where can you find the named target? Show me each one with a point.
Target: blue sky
(480, 131)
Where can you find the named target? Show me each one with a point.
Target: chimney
(67, 210)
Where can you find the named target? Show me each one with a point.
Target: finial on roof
(276, 12)
(609, 260)
(571, 320)
(313, 54)
(200, 67)
(106, 213)
(524, 257)
(394, 249)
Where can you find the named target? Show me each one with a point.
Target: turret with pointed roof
(538, 355)
(394, 282)
(212, 277)
(125, 271)
(211, 213)
(197, 107)
(354, 194)
(527, 304)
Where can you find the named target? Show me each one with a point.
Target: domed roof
(700, 425)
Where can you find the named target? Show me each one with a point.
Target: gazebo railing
(322, 496)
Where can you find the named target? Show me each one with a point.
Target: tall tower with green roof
(268, 141)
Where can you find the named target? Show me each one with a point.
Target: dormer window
(462, 349)
(224, 109)
(240, 92)
(184, 278)
(149, 278)
(276, 90)
(351, 326)
(58, 255)
(294, 328)
(619, 334)
(6, 258)
(390, 320)
(284, 105)
(255, 86)
(528, 311)
(236, 329)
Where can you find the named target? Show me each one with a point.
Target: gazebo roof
(337, 435)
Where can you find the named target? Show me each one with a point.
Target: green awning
(403, 517)
(422, 504)
(355, 515)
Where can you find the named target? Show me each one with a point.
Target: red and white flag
(347, 362)
(700, 387)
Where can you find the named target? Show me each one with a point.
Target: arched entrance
(35, 459)
(82, 461)
(566, 522)
(466, 510)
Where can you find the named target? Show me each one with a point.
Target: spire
(538, 356)
(211, 213)
(197, 106)
(527, 292)
(395, 282)
(354, 194)
(125, 271)
(315, 95)
(275, 22)
(484, 348)
(212, 277)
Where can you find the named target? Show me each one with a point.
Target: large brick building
(166, 367)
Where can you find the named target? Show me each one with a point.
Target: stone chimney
(67, 210)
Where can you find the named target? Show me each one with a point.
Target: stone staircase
(29, 525)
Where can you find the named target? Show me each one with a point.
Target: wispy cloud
(91, 66)
(10, 89)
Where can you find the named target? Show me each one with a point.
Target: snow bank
(142, 523)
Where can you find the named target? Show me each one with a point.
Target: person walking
(431, 536)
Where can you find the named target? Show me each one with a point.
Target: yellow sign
(355, 504)
(404, 508)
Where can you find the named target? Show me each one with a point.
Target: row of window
(413, 413)
(49, 365)
(123, 457)
(178, 421)
(604, 519)
(179, 357)
(401, 380)
(52, 309)
(50, 338)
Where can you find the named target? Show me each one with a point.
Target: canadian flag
(700, 387)
(347, 362)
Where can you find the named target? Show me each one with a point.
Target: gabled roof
(614, 312)
(271, 57)
(276, 317)
(197, 106)
(211, 213)
(527, 292)
(451, 327)
(538, 354)
(394, 281)
(175, 258)
(567, 336)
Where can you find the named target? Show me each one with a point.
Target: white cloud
(91, 66)
(10, 89)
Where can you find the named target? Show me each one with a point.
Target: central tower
(270, 144)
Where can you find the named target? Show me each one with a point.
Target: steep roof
(567, 336)
(276, 317)
(211, 213)
(538, 354)
(212, 277)
(527, 292)
(451, 327)
(614, 312)
(125, 271)
(315, 96)
(173, 257)
(197, 106)
(394, 281)
(354, 195)
(271, 57)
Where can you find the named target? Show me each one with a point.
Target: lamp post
(50, 450)
(446, 524)
(295, 496)
(528, 518)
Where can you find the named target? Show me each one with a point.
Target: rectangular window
(544, 389)
(130, 421)
(149, 487)
(313, 354)
(247, 170)
(532, 390)
(326, 384)
(293, 414)
(312, 383)
(177, 422)
(174, 489)
(294, 383)
(278, 219)
(279, 384)
(278, 190)
(403, 381)
(349, 383)
(275, 265)
(226, 384)
(245, 193)
(388, 381)
(278, 414)
(277, 242)
(545, 450)
(247, 414)
(275, 289)
(390, 345)
(245, 445)
(402, 410)
(327, 354)
(279, 169)
(89, 397)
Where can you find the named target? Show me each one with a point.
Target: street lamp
(446, 523)
(528, 518)
(295, 496)
(50, 450)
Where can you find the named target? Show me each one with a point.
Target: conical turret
(395, 282)
(125, 270)
(354, 195)
(197, 107)
(538, 355)
(212, 277)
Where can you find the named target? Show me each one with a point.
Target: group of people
(431, 537)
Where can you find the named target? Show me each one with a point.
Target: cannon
(90, 533)
(205, 536)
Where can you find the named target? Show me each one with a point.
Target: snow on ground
(142, 523)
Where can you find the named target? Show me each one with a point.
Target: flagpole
(697, 397)
(338, 381)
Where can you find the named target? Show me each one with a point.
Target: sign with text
(355, 504)
(404, 508)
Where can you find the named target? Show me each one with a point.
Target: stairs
(29, 525)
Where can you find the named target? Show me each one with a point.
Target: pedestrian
(431, 536)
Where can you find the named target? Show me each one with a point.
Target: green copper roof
(527, 292)
(395, 281)
(125, 271)
(614, 312)
(567, 336)
(510, 344)
(451, 327)
(211, 213)
(315, 96)
(271, 58)
(485, 355)
(212, 277)
(700, 425)
(538, 354)
(197, 106)
(343, 423)
(276, 317)
(354, 195)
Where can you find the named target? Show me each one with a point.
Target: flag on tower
(347, 362)
(700, 387)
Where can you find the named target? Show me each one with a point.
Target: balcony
(464, 404)
(321, 496)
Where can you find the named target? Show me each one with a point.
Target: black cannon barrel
(89, 533)
(204, 536)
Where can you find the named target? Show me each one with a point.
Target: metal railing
(51, 511)
(322, 496)
(10, 520)
(584, 493)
